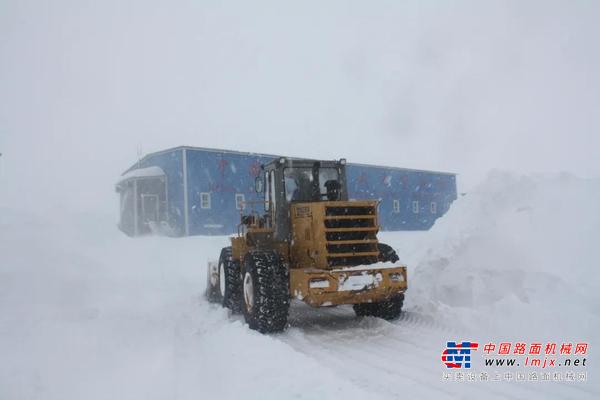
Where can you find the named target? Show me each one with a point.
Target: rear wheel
(266, 293)
(230, 283)
(387, 253)
(388, 309)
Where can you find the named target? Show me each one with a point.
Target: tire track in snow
(367, 366)
(381, 356)
(350, 343)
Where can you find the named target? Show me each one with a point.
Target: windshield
(299, 183)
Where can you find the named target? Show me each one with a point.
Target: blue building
(197, 191)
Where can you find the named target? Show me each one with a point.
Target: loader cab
(288, 181)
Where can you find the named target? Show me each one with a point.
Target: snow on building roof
(206, 149)
(148, 172)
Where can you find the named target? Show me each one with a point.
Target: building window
(415, 206)
(433, 207)
(204, 200)
(239, 201)
(396, 205)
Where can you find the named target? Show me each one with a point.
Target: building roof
(148, 172)
(206, 149)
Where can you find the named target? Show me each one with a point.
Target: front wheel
(266, 293)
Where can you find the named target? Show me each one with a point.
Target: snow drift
(515, 246)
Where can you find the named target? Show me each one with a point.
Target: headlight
(396, 277)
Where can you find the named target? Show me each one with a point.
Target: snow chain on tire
(232, 298)
(387, 253)
(270, 294)
(388, 309)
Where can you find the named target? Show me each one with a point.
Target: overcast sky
(455, 86)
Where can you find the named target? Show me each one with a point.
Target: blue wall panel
(389, 184)
(224, 174)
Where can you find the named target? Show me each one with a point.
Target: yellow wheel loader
(310, 243)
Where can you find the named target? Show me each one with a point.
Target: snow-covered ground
(88, 313)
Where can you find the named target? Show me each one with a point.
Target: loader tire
(388, 309)
(229, 270)
(364, 309)
(266, 293)
(387, 253)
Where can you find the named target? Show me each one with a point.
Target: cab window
(299, 182)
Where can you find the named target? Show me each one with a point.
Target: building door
(150, 209)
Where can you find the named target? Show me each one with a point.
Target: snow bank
(516, 250)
